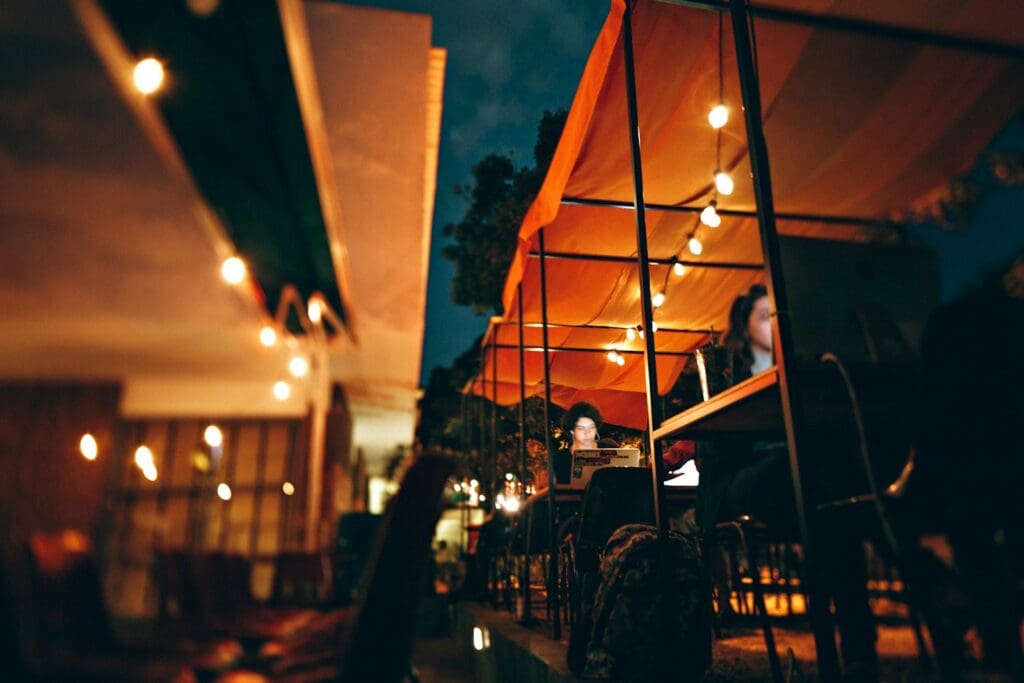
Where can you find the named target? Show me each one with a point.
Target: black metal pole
(523, 455)
(654, 416)
(824, 638)
(553, 572)
(493, 493)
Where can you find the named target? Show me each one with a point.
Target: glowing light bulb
(695, 246)
(288, 488)
(314, 310)
(709, 216)
(150, 473)
(620, 360)
(612, 355)
(658, 299)
(213, 436)
(654, 326)
(724, 183)
(223, 491)
(148, 75)
(630, 334)
(509, 476)
(143, 457)
(87, 445)
(298, 366)
(718, 116)
(233, 270)
(268, 336)
(282, 390)
(678, 268)
(641, 333)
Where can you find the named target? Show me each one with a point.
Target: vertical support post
(654, 413)
(824, 636)
(493, 492)
(524, 513)
(553, 568)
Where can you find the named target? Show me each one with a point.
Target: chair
(614, 496)
(373, 640)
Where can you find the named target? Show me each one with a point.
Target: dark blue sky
(509, 61)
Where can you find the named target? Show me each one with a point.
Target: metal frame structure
(741, 15)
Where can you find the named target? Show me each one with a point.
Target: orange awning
(856, 125)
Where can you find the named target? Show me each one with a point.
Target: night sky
(509, 61)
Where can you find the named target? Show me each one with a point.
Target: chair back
(381, 640)
(614, 496)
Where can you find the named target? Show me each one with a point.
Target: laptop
(586, 460)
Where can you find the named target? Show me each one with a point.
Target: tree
(485, 238)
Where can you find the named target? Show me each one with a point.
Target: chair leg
(766, 624)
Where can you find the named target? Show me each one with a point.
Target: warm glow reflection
(288, 488)
(268, 336)
(148, 75)
(282, 390)
(298, 366)
(213, 436)
(233, 270)
(88, 447)
(223, 491)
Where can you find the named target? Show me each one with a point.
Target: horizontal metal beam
(799, 217)
(584, 349)
(872, 29)
(605, 258)
(620, 328)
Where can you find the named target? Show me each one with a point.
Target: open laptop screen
(586, 460)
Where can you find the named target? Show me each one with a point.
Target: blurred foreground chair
(373, 641)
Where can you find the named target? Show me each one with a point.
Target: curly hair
(578, 410)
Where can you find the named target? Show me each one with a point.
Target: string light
(654, 326)
(630, 334)
(282, 390)
(612, 355)
(709, 216)
(288, 488)
(314, 310)
(88, 447)
(694, 245)
(223, 491)
(233, 270)
(213, 436)
(620, 360)
(723, 183)
(678, 268)
(658, 299)
(148, 75)
(718, 116)
(298, 366)
(268, 336)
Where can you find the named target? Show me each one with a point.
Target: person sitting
(582, 422)
(740, 476)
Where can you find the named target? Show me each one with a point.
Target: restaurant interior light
(658, 299)
(213, 436)
(718, 116)
(298, 366)
(143, 457)
(88, 447)
(282, 390)
(678, 268)
(612, 355)
(724, 183)
(630, 334)
(694, 245)
(148, 75)
(233, 270)
(709, 216)
(314, 310)
(150, 473)
(268, 335)
(288, 488)
(223, 491)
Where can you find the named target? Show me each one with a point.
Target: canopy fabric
(855, 126)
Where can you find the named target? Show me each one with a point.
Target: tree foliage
(499, 196)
